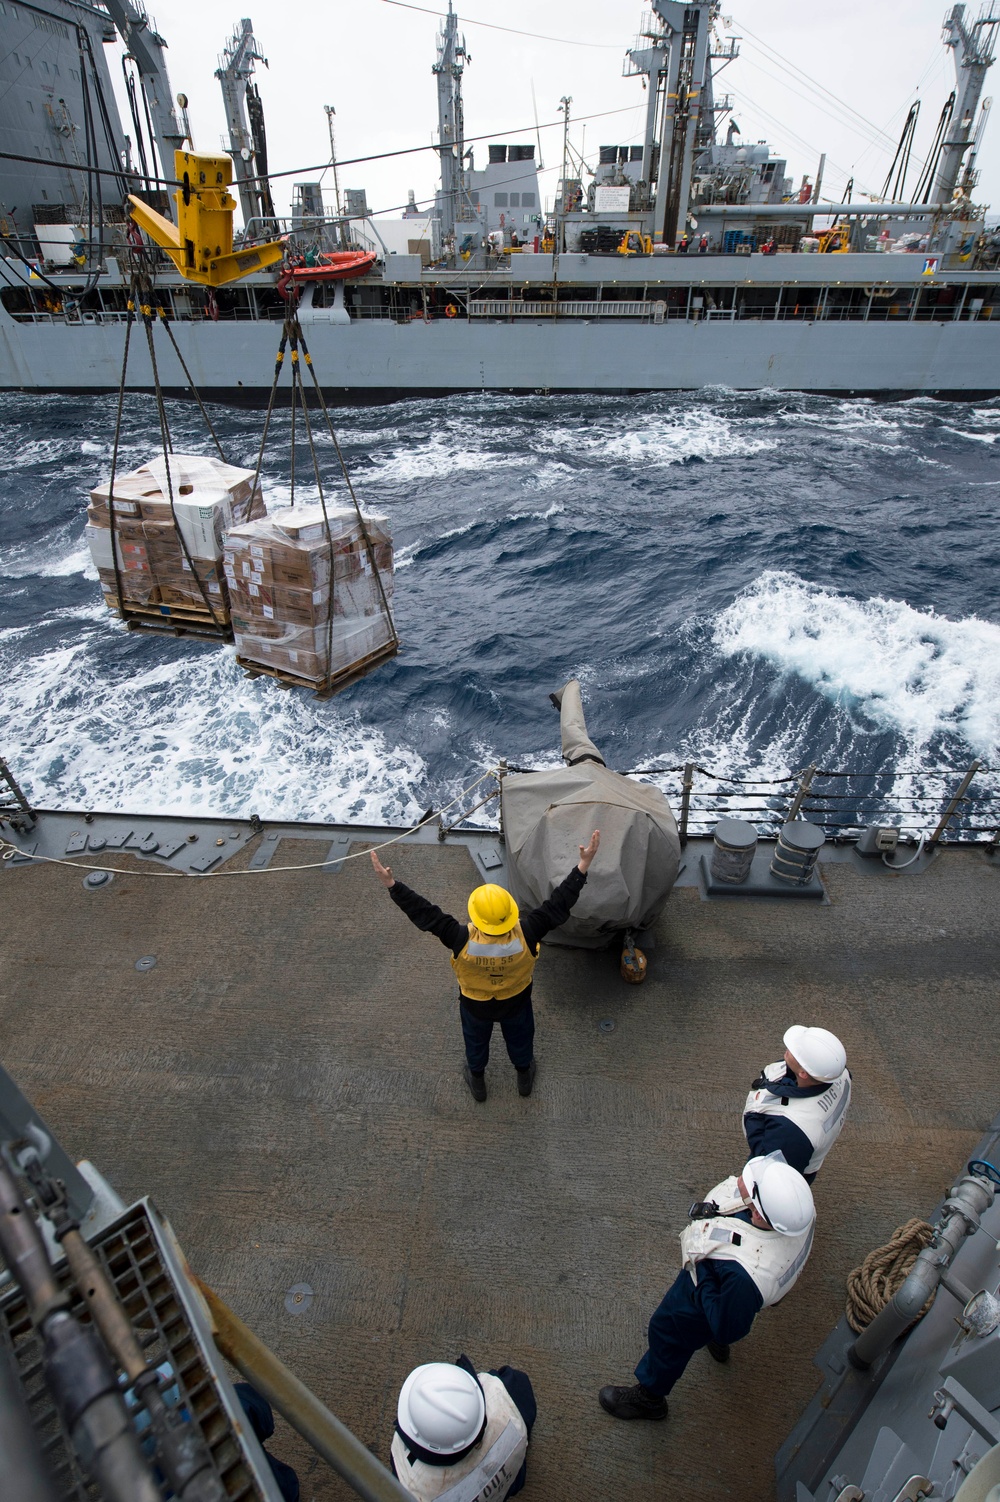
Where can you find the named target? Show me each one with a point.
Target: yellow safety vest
(492, 967)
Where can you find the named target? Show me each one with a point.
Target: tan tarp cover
(548, 815)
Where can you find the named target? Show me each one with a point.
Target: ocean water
(754, 582)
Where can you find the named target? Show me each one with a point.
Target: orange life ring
(451, 311)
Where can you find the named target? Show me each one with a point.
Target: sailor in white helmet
(798, 1106)
(462, 1435)
(743, 1250)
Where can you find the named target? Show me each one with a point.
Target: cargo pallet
(175, 620)
(322, 689)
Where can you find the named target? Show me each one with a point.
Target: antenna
(538, 132)
(564, 105)
(330, 112)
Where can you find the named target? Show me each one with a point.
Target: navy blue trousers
(518, 1034)
(677, 1329)
(258, 1411)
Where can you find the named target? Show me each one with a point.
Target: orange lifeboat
(331, 266)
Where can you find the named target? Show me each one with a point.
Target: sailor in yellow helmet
(493, 956)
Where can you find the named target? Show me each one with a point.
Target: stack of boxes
(295, 613)
(209, 498)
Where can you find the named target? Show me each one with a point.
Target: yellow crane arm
(200, 244)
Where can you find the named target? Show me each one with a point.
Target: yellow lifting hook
(200, 244)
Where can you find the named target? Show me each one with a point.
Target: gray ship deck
(286, 1084)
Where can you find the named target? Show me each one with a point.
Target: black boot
(475, 1082)
(526, 1078)
(632, 1402)
(718, 1352)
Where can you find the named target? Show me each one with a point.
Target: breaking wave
(914, 672)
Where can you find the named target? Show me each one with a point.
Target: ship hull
(381, 360)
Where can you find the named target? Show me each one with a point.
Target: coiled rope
(883, 1273)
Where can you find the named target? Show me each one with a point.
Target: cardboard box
(308, 524)
(303, 650)
(279, 573)
(137, 589)
(190, 473)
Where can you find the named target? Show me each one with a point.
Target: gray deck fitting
(760, 883)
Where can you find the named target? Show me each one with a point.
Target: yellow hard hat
(492, 909)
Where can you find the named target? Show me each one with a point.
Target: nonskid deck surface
(285, 1081)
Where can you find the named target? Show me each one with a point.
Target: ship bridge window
(499, 200)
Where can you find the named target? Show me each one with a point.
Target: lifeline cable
(8, 850)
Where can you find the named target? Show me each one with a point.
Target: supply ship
(608, 292)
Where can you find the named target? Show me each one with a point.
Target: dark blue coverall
(721, 1307)
(514, 1013)
(770, 1134)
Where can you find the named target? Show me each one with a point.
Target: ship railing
(928, 807)
(500, 307)
(952, 805)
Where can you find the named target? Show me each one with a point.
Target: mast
(680, 108)
(246, 144)
(451, 59)
(974, 52)
(687, 93)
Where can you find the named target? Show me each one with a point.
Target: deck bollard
(735, 843)
(797, 852)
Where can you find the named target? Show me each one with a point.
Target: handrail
(771, 802)
(321, 1429)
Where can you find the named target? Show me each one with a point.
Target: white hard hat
(820, 1053)
(441, 1407)
(781, 1194)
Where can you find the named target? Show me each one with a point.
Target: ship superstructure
(687, 259)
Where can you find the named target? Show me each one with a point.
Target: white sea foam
(76, 562)
(555, 509)
(975, 437)
(912, 671)
(439, 456)
(194, 736)
(552, 472)
(656, 439)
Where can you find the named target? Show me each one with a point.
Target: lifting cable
(8, 850)
(140, 301)
(291, 342)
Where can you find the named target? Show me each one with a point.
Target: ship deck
(285, 1082)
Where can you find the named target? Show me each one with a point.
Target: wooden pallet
(174, 620)
(339, 680)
